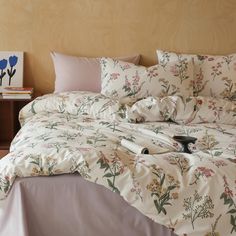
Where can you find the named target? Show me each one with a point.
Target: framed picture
(11, 69)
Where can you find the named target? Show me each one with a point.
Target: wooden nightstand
(3, 153)
(9, 124)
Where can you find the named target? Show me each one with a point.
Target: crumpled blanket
(193, 194)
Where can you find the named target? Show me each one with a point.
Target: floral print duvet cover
(193, 194)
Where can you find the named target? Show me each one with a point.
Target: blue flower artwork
(11, 69)
(3, 65)
(12, 61)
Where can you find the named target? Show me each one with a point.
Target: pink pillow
(80, 73)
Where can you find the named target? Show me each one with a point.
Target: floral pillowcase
(214, 76)
(128, 82)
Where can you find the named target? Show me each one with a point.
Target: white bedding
(195, 194)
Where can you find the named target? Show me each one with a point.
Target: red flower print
(205, 171)
(202, 172)
(199, 102)
(7, 178)
(174, 70)
(125, 67)
(136, 79)
(114, 76)
(127, 83)
(228, 192)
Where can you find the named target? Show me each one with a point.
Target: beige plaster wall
(112, 28)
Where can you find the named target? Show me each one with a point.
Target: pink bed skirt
(68, 205)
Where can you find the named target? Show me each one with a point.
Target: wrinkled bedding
(194, 194)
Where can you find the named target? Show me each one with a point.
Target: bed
(165, 192)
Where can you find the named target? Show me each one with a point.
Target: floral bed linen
(193, 194)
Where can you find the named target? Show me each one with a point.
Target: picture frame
(11, 69)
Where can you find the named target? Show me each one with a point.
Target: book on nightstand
(17, 93)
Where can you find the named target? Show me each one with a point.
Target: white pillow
(128, 82)
(214, 76)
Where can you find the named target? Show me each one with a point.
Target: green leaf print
(198, 207)
(4, 184)
(161, 189)
(228, 197)
(112, 169)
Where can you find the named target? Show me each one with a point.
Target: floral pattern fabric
(192, 110)
(213, 75)
(193, 194)
(128, 82)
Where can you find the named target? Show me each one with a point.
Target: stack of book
(17, 93)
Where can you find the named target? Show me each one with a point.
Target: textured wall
(112, 27)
